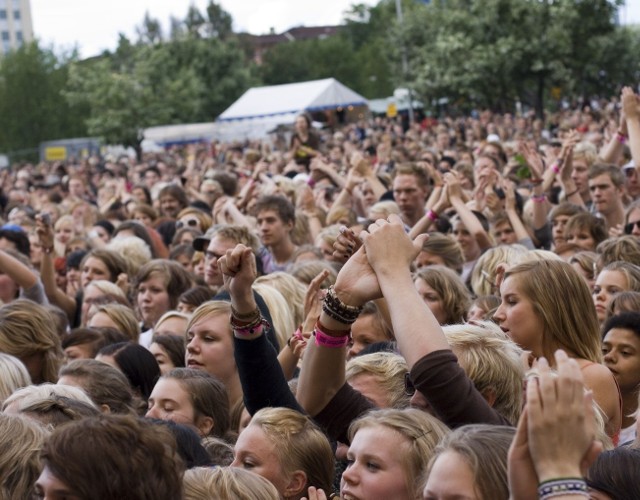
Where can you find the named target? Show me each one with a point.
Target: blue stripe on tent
(279, 113)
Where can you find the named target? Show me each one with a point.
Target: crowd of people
(449, 309)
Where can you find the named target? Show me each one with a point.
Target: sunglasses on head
(628, 228)
(190, 223)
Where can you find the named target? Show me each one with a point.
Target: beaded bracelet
(563, 486)
(251, 329)
(338, 310)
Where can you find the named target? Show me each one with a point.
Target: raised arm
(467, 217)
(47, 272)
(631, 108)
(323, 367)
(263, 383)
(433, 367)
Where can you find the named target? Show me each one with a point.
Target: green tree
(356, 56)
(494, 52)
(32, 108)
(192, 77)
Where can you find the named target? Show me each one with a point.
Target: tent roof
(316, 95)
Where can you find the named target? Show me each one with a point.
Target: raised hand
(356, 282)
(346, 244)
(630, 104)
(389, 249)
(560, 419)
(533, 159)
(238, 268)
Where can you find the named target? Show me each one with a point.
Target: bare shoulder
(598, 377)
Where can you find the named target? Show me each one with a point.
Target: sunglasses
(190, 223)
(409, 388)
(628, 228)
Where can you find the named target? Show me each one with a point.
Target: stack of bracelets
(559, 487)
(338, 310)
(248, 323)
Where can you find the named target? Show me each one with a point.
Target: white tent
(260, 109)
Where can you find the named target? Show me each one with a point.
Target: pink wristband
(324, 340)
(555, 168)
(432, 216)
(622, 139)
(251, 330)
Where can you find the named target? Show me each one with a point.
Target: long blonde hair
(562, 300)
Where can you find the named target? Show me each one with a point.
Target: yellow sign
(392, 110)
(55, 153)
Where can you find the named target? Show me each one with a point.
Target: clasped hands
(382, 253)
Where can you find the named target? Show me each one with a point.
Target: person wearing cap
(215, 243)
(632, 181)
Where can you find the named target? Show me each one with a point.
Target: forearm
(417, 331)
(634, 139)
(376, 186)
(518, 225)
(611, 151)
(472, 223)
(17, 271)
(263, 382)
(323, 370)
(540, 210)
(54, 294)
(288, 362)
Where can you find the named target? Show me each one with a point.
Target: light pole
(405, 64)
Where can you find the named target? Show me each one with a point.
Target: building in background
(16, 26)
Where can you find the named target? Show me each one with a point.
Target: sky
(94, 25)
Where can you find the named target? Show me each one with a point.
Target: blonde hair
(19, 455)
(421, 430)
(123, 317)
(305, 272)
(492, 362)
(283, 321)
(13, 375)
(108, 288)
(169, 315)
(26, 396)
(329, 235)
(210, 308)
(483, 276)
(299, 444)
(27, 329)
(135, 250)
(292, 290)
(384, 208)
(562, 300)
(389, 370)
(226, 483)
